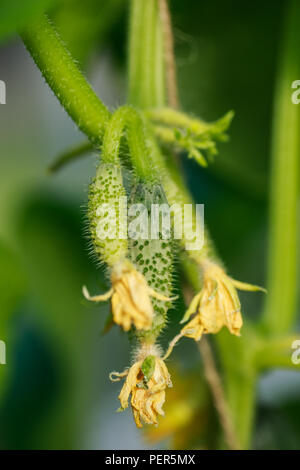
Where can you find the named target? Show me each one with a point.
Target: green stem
(280, 309)
(64, 78)
(276, 352)
(138, 141)
(129, 121)
(146, 57)
(241, 393)
(240, 375)
(174, 118)
(113, 136)
(279, 315)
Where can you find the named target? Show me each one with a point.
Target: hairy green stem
(65, 79)
(280, 309)
(129, 121)
(172, 117)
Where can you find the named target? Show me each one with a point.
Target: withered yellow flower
(146, 381)
(186, 416)
(130, 297)
(217, 304)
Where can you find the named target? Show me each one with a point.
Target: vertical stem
(171, 78)
(236, 355)
(282, 267)
(241, 400)
(216, 387)
(146, 56)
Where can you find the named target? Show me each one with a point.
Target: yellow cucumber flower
(130, 297)
(146, 381)
(217, 304)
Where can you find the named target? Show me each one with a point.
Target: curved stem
(128, 120)
(65, 79)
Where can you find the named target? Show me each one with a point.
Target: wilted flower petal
(130, 297)
(217, 304)
(147, 389)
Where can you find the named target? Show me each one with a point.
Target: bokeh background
(54, 389)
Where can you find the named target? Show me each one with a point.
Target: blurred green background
(54, 389)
